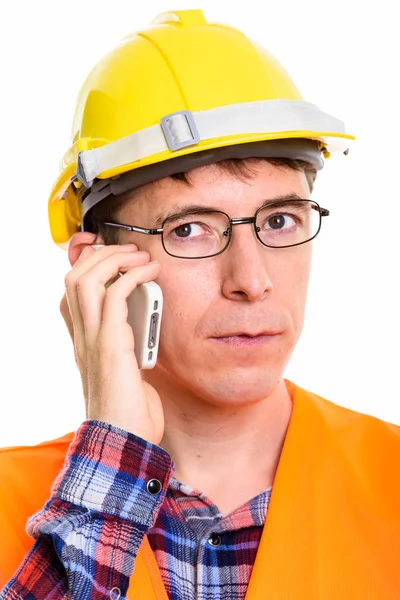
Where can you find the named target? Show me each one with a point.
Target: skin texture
(218, 400)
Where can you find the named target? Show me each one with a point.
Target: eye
(188, 230)
(279, 221)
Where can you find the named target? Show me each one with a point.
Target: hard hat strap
(278, 118)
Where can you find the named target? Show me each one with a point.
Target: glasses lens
(288, 223)
(196, 235)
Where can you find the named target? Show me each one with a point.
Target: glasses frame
(323, 212)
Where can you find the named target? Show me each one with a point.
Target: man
(209, 476)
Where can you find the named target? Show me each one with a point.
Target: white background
(344, 57)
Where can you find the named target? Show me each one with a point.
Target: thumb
(66, 315)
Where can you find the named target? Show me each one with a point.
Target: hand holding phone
(109, 351)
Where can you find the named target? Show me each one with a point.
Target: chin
(240, 387)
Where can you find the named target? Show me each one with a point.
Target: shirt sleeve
(103, 502)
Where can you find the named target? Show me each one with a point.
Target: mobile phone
(145, 306)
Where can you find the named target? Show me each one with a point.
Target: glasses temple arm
(134, 228)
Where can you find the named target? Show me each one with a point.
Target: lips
(246, 334)
(246, 341)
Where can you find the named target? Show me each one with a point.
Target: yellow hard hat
(179, 94)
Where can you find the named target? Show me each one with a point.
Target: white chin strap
(184, 128)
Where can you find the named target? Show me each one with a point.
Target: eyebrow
(183, 208)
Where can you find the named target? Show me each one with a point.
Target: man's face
(210, 303)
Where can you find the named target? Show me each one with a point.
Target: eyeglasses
(206, 233)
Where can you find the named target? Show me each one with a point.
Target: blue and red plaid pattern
(89, 532)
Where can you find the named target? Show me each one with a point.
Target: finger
(66, 315)
(91, 289)
(115, 308)
(93, 254)
(88, 258)
(80, 360)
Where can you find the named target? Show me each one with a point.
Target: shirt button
(154, 486)
(214, 540)
(115, 593)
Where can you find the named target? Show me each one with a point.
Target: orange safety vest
(333, 524)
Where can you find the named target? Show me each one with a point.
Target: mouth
(247, 340)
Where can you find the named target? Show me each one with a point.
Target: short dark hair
(107, 209)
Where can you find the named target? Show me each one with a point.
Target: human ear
(79, 242)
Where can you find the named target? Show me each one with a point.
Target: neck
(213, 446)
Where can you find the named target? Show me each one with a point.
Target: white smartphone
(145, 306)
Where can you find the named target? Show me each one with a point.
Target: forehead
(214, 187)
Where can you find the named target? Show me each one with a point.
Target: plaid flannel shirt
(89, 532)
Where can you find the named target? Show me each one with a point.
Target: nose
(245, 274)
